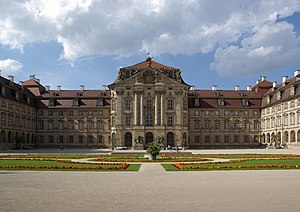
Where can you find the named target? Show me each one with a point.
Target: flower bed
(151, 161)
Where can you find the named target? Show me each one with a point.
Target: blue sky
(223, 43)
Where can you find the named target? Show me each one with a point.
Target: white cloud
(124, 28)
(10, 67)
(271, 47)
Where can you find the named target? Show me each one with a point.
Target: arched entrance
(128, 139)
(3, 136)
(149, 137)
(10, 137)
(170, 139)
(285, 137)
(293, 137)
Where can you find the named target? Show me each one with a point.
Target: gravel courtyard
(150, 191)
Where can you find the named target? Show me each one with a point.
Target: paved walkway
(151, 168)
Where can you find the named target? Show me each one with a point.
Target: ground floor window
(80, 139)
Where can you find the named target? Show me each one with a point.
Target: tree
(183, 143)
(113, 143)
(153, 150)
(275, 138)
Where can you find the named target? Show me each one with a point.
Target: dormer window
(242, 94)
(56, 93)
(221, 102)
(218, 94)
(292, 91)
(197, 103)
(245, 102)
(75, 102)
(100, 102)
(269, 99)
(79, 93)
(51, 102)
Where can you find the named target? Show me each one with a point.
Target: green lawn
(226, 166)
(42, 165)
(246, 156)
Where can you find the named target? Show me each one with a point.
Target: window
(3, 104)
(149, 103)
(221, 102)
(80, 113)
(51, 102)
(197, 125)
(217, 139)
(285, 106)
(127, 121)
(3, 119)
(100, 139)
(76, 102)
(170, 121)
(207, 139)
(285, 120)
(197, 103)
(70, 113)
(217, 124)
(90, 139)
(226, 124)
(128, 104)
(292, 118)
(226, 113)
(226, 138)
(60, 113)
(256, 125)
(50, 140)
(236, 113)
(298, 118)
(41, 139)
(273, 122)
(50, 125)
(292, 104)
(113, 121)
(90, 113)
(255, 113)
(246, 138)
(70, 125)
(236, 124)
(246, 125)
(60, 125)
(197, 113)
(245, 102)
(90, 125)
(40, 113)
(207, 113)
(80, 125)
(298, 102)
(236, 139)
(100, 102)
(61, 139)
(197, 139)
(100, 125)
(149, 119)
(246, 113)
(170, 104)
(80, 139)
(279, 121)
(113, 104)
(40, 125)
(217, 112)
(50, 113)
(100, 113)
(207, 125)
(71, 138)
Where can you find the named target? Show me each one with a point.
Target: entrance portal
(128, 139)
(149, 137)
(170, 139)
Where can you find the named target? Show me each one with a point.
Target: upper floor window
(170, 121)
(149, 119)
(100, 102)
(207, 113)
(217, 124)
(149, 104)
(197, 102)
(170, 104)
(40, 113)
(221, 102)
(50, 113)
(255, 113)
(80, 113)
(60, 113)
(197, 125)
(217, 112)
(256, 125)
(127, 121)
(197, 113)
(236, 112)
(127, 104)
(90, 113)
(90, 125)
(226, 113)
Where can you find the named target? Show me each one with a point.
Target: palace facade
(147, 102)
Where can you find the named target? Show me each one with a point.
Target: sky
(214, 42)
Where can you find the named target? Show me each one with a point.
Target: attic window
(269, 99)
(100, 102)
(292, 90)
(197, 103)
(51, 102)
(279, 95)
(79, 93)
(218, 94)
(103, 94)
(75, 102)
(245, 102)
(56, 93)
(221, 102)
(242, 94)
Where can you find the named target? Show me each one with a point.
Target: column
(156, 109)
(178, 109)
(142, 109)
(135, 108)
(162, 109)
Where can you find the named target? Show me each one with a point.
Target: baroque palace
(148, 101)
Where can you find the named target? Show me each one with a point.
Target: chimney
(21, 82)
(237, 87)
(257, 81)
(82, 87)
(192, 87)
(47, 87)
(248, 88)
(58, 88)
(296, 73)
(274, 84)
(263, 78)
(37, 80)
(214, 88)
(284, 79)
(104, 87)
(32, 76)
(11, 78)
